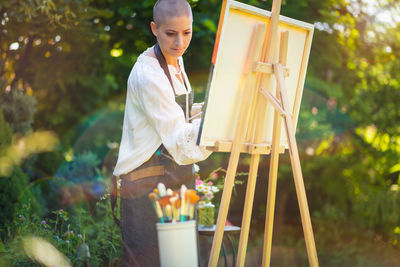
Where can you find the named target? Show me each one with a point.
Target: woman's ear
(153, 27)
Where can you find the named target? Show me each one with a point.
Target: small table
(228, 230)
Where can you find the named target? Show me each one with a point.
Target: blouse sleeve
(157, 100)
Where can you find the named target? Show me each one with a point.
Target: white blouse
(152, 117)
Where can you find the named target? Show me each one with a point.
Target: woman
(158, 139)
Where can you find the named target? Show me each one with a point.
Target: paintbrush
(175, 211)
(168, 212)
(183, 204)
(155, 191)
(161, 190)
(170, 192)
(153, 197)
(164, 201)
(192, 199)
(178, 208)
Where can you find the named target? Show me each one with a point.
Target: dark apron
(138, 218)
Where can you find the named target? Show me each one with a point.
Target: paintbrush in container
(155, 191)
(164, 202)
(183, 208)
(191, 199)
(168, 212)
(154, 198)
(175, 210)
(162, 191)
(169, 192)
(178, 209)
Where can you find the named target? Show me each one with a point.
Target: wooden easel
(254, 100)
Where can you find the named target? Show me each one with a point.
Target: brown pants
(138, 218)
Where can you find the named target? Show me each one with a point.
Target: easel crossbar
(249, 148)
(274, 101)
(268, 68)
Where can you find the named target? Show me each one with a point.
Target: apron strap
(163, 63)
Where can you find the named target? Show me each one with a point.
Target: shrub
(14, 193)
(70, 232)
(18, 109)
(103, 235)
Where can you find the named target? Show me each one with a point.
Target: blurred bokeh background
(63, 72)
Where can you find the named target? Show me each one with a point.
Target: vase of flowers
(207, 188)
(205, 214)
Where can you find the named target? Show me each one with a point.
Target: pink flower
(210, 183)
(198, 177)
(227, 222)
(214, 176)
(199, 182)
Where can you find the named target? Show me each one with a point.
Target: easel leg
(248, 207)
(301, 195)
(297, 174)
(224, 206)
(272, 181)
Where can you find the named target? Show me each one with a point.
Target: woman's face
(173, 36)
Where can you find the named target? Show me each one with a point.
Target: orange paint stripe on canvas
(221, 20)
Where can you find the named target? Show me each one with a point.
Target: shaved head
(164, 9)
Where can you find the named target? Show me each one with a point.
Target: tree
(54, 51)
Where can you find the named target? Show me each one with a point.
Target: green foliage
(48, 163)
(42, 39)
(363, 247)
(84, 167)
(23, 147)
(68, 232)
(15, 193)
(348, 126)
(5, 133)
(103, 235)
(18, 109)
(99, 132)
(78, 180)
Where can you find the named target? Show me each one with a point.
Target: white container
(177, 243)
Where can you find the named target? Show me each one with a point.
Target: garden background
(63, 72)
